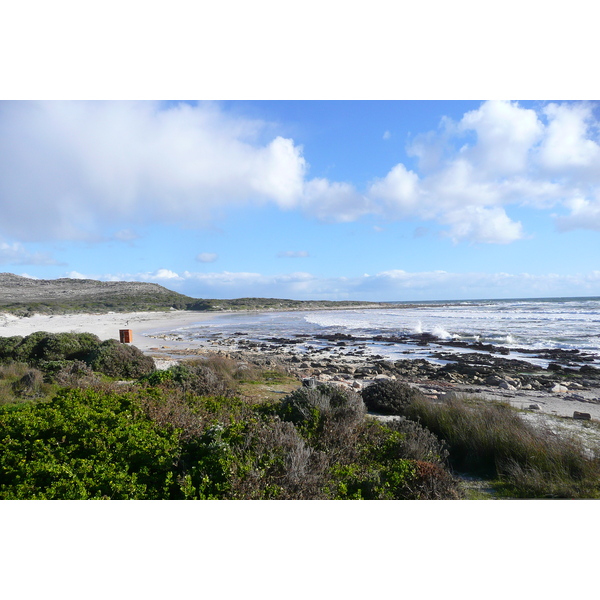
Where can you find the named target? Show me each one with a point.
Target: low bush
(199, 379)
(366, 459)
(389, 397)
(418, 442)
(44, 346)
(69, 346)
(378, 467)
(325, 415)
(432, 482)
(8, 348)
(74, 373)
(11, 374)
(13, 370)
(120, 360)
(30, 385)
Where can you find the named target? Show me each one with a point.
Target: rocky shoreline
(568, 386)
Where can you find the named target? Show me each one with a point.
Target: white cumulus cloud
(506, 133)
(68, 170)
(471, 173)
(568, 144)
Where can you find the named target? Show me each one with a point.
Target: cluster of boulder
(347, 360)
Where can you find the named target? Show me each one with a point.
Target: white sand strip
(105, 326)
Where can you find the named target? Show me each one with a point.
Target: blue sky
(363, 200)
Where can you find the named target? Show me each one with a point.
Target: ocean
(546, 323)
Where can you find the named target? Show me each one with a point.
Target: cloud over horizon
(67, 169)
(393, 285)
(16, 254)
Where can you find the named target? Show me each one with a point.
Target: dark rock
(582, 416)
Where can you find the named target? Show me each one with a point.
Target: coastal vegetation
(188, 432)
(23, 296)
(491, 440)
(85, 419)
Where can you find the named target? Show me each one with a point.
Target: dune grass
(491, 440)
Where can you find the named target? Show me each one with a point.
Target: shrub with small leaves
(8, 347)
(305, 406)
(328, 417)
(389, 397)
(30, 385)
(120, 360)
(75, 373)
(418, 442)
(199, 379)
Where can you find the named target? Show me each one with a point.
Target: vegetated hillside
(284, 304)
(23, 295)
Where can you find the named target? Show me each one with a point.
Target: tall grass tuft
(490, 439)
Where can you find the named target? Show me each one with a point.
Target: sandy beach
(105, 326)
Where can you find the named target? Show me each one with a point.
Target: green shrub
(8, 346)
(389, 397)
(44, 346)
(85, 445)
(157, 377)
(197, 378)
(378, 467)
(120, 360)
(29, 349)
(324, 412)
(68, 346)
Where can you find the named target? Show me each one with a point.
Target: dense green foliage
(84, 445)
(153, 444)
(68, 430)
(56, 352)
(119, 360)
(43, 346)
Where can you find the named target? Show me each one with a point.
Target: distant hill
(23, 295)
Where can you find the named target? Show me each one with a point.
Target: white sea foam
(347, 321)
(442, 334)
